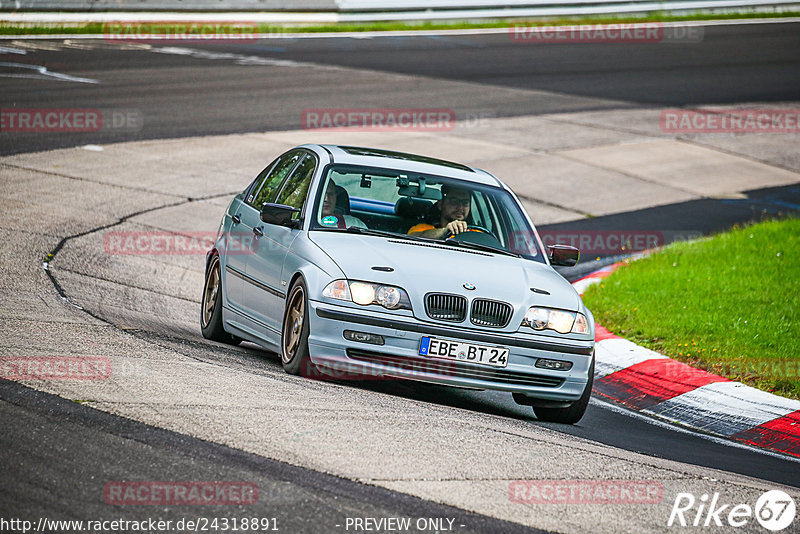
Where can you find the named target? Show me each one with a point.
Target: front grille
(454, 368)
(490, 313)
(444, 307)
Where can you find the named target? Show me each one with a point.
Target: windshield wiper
(478, 246)
(357, 230)
(368, 231)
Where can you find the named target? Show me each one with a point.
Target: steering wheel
(474, 228)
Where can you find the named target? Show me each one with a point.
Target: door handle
(236, 219)
(258, 231)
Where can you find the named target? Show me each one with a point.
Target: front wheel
(211, 307)
(294, 334)
(572, 413)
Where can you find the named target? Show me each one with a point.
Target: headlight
(366, 293)
(561, 321)
(362, 293)
(388, 297)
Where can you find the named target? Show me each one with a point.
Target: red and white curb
(656, 385)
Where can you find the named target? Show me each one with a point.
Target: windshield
(419, 206)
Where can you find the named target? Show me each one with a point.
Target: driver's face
(455, 206)
(329, 203)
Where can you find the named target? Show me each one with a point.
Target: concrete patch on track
(771, 148)
(145, 312)
(682, 166)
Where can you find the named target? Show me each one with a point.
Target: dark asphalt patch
(59, 455)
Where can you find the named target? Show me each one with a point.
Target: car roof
(375, 157)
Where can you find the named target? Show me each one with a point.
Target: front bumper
(399, 356)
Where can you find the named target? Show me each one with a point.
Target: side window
(274, 175)
(296, 188)
(514, 236)
(483, 213)
(250, 192)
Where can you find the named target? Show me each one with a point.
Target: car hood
(421, 267)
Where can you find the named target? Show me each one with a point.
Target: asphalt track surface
(181, 96)
(57, 455)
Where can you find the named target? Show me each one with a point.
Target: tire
(294, 333)
(211, 307)
(573, 413)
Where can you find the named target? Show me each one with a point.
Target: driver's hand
(456, 227)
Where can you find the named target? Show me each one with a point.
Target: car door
(231, 254)
(244, 234)
(238, 240)
(266, 263)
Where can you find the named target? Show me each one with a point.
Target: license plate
(465, 352)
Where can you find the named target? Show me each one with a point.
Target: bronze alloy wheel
(211, 306)
(210, 291)
(294, 338)
(293, 325)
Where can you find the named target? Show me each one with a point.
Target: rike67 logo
(774, 510)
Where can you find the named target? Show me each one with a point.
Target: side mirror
(564, 255)
(279, 214)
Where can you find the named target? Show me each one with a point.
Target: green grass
(9, 28)
(729, 304)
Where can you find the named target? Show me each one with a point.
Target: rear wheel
(572, 413)
(294, 334)
(211, 307)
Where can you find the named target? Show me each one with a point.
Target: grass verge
(729, 304)
(98, 28)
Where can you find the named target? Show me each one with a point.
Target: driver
(452, 212)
